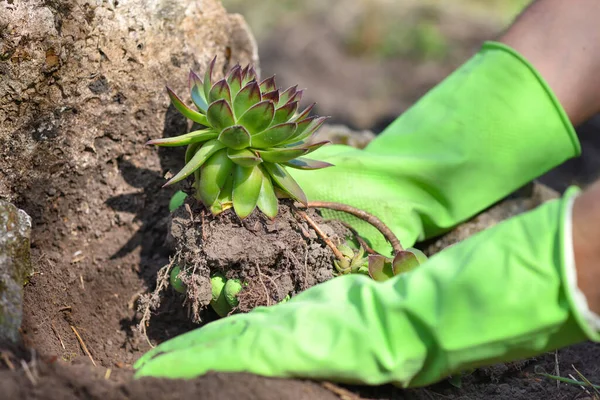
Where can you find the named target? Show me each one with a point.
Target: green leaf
(248, 96)
(404, 261)
(235, 137)
(258, 117)
(307, 164)
(208, 78)
(380, 268)
(267, 200)
(219, 115)
(213, 175)
(273, 96)
(244, 157)
(305, 131)
(183, 140)
(421, 257)
(287, 95)
(281, 155)
(224, 201)
(285, 181)
(219, 91)
(177, 200)
(304, 113)
(247, 183)
(191, 150)
(235, 80)
(207, 150)
(197, 92)
(185, 110)
(273, 136)
(268, 85)
(312, 147)
(283, 114)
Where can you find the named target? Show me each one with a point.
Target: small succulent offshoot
(251, 133)
(377, 266)
(382, 268)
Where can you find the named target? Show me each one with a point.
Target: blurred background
(365, 61)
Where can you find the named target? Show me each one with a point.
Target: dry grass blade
(338, 254)
(82, 343)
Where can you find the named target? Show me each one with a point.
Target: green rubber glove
(489, 128)
(498, 296)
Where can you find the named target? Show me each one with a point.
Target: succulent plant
(383, 268)
(252, 133)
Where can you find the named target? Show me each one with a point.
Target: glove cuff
(586, 318)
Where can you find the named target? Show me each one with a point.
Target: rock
(15, 268)
(82, 82)
(341, 134)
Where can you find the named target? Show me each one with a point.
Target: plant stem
(365, 216)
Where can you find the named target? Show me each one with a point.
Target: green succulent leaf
(283, 114)
(281, 155)
(273, 96)
(219, 115)
(247, 97)
(213, 175)
(224, 200)
(207, 150)
(220, 91)
(258, 117)
(380, 268)
(268, 85)
(307, 127)
(208, 78)
(285, 181)
(183, 140)
(304, 113)
(244, 157)
(287, 95)
(267, 200)
(197, 92)
(307, 164)
(421, 257)
(185, 110)
(235, 80)
(235, 137)
(191, 150)
(312, 147)
(247, 182)
(404, 261)
(274, 135)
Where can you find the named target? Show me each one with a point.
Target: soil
(100, 219)
(272, 258)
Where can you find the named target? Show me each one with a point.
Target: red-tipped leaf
(185, 110)
(219, 115)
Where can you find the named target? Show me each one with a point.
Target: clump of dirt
(273, 258)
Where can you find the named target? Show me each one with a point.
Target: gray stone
(15, 268)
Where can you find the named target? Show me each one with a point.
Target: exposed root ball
(273, 258)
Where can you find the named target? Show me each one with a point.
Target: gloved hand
(489, 128)
(498, 296)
